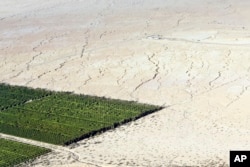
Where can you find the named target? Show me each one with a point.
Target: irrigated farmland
(12, 95)
(63, 118)
(12, 153)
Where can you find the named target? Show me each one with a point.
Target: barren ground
(190, 56)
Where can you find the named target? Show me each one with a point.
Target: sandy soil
(190, 56)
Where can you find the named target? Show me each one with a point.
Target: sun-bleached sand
(190, 56)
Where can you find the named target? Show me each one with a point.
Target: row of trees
(60, 117)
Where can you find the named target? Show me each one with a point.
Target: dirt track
(55, 149)
(190, 56)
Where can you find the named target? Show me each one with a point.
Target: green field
(12, 95)
(63, 118)
(12, 153)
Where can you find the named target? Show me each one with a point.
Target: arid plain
(193, 57)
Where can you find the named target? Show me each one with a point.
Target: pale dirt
(190, 56)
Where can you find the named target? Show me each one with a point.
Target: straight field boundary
(63, 118)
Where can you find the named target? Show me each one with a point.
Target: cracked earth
(190, 56)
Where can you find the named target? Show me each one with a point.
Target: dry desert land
(193, 57)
